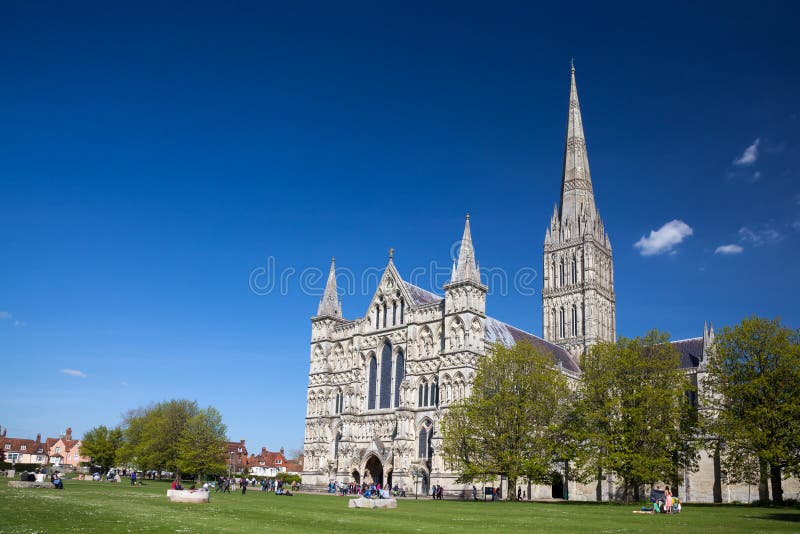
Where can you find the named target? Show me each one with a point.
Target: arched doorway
(356, 476)
(373, 471)
(389, 478)
(558, 486)
(425, 482)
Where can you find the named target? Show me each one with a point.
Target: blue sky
(153, 156)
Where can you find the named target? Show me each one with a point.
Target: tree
(201, 448)
(102, 444)
(152, 434)
(632, 416)
(753, 399)
(509, 425)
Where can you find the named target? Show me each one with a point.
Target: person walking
(243, 485)
(474, 493)
(133, 478)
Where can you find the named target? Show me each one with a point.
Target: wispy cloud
(74, 372)
(664, 239)
(749, 156)
(8, 316)
(728, 250)
(763, 235)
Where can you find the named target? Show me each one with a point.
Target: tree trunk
(599, 489)
(717, 474)
(777, 488)
(763, 489)
(512, 488)
(636, 491)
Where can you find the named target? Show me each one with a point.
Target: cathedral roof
(691, 351)
(420, 296)
(508, 335)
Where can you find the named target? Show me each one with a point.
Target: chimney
(242, 442)
(4, 431)
(281, 451)
(263, 450)
(38, 438)
(68, 434)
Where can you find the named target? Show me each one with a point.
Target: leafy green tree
(201, 447)
(753, 399)
(509, 426)
(632, 416)
(102, 444)
(152, 434)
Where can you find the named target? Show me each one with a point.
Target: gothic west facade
(380, 384)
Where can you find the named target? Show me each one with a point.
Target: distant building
(236, 456)
(266, 463)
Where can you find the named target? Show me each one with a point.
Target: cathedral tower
(578, 301)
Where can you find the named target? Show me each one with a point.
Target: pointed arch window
(399, 375)
(561, 274)
(574, 320)
(386, 375)
(421, 392)
(562, 330)
(377, 317)
(402, 311)
(336, 444)
(425, 433)
(394, 313)
(372, 378)
(339, 402)
(384, 315)
(574, 270)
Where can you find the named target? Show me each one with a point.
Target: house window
(240, 449)
(38, 458)
(58, 449)
(277, 461)
(13, 456)
(7, 446)
(23, 447)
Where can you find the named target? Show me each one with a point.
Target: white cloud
(19, 324)
(727, 250)
(74, 372)
(749, 156)
(664, 239)
(765, 234)
(5, 315)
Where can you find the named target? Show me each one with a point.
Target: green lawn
(104, 507)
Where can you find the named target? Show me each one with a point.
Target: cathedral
(380, 384)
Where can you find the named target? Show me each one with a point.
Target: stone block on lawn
(361, 502)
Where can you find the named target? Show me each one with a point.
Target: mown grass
(103, 507)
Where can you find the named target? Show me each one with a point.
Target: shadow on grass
(791, 518)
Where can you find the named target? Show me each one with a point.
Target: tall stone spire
(577, 197)
(329, 305)
(578, 301)
(466, 268)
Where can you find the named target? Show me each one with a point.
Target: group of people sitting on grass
(664, 502)
(367, 490)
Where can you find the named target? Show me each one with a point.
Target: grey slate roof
(421, 296)
(691, 351)
(508, 335)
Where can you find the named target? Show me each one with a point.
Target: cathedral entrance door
(356, 477)
(374, 468)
